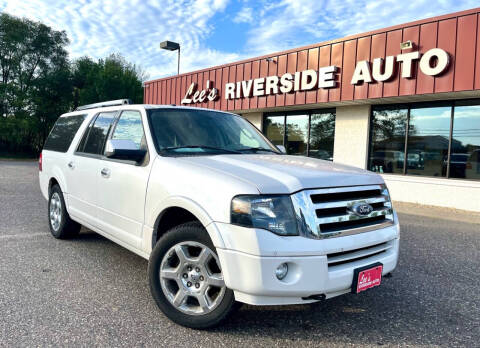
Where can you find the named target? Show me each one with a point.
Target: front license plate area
(367, 277)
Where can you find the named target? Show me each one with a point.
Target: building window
(322, 135)
(275, 129)
(387, 149)
(297, 134)
(440, 139)
(428, 138)
(308, 133)
(465, 152)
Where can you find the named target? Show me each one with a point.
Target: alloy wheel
(191, 278)
(55, 211)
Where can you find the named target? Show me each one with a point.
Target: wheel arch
(57, 176)
(52, 182)
(177, 210)
(60, 181)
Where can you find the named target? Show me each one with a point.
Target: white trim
(441, 192)
(432, 180)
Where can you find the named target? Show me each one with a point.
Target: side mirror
(282, 148)
(124, 150)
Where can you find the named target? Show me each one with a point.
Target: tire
(182, 287)
(60, 223)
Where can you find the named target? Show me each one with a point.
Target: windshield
(197, 132)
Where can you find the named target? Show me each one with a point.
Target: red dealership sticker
(367, 278)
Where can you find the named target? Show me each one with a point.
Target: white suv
(222, 215)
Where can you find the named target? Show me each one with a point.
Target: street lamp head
(169, 45)
(172, 46)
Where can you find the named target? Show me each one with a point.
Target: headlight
(273, 213)
(386, 194)
(388, 202)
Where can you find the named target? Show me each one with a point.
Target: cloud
(245, 15)
(133, 28)
(208, 30)
(291, 23)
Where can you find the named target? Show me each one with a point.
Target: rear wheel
(186, 279)
(61, 226)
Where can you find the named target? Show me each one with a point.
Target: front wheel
(186, 280)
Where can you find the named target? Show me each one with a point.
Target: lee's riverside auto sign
(433, 62)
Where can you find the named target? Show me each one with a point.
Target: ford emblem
(362, 209)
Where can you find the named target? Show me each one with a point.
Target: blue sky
(213, 32)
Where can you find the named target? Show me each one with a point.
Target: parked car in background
(458, 165)
(222, 215)
(388, 161)
(472, 167)
(321, 154)
(415, 160)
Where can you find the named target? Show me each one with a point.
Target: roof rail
(104, 104)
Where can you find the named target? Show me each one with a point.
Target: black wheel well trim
(156, 227)
(52, 182)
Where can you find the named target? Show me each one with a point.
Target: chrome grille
(323, 213)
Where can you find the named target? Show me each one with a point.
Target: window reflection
(98, 133)
(297, 134)
(465, 152)
(428, 138)
(274, 129)
(320, 125)
(387, 151)
(129, 127)
(322, 134)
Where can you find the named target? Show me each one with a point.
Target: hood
(284, 173)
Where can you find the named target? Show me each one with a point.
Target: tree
(107, 79)
(35, 74)
(38, 83)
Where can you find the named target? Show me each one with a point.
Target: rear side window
(63, 133)
(94, 138)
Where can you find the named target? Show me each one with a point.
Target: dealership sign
(433, 62)
(195, 96)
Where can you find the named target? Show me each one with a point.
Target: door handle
(71, 165)
(105, 172)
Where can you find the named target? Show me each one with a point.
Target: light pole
(172, 46)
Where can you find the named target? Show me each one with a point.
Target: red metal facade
(457, 33)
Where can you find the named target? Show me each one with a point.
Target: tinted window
(97, 133)
(63, 133)
(387, 150)
(129, 127)
(322, 134)
(81, 144)
(297, 134)
(428, 138)
(465, 157)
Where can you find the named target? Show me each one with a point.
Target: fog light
(281, 271)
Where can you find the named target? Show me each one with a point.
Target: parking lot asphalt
(90, 291)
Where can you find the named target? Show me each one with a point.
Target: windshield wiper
(255, 149)
(199, 147)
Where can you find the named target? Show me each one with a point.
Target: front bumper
(250, 258)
